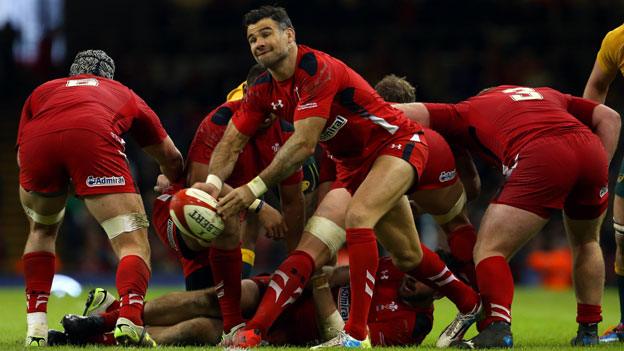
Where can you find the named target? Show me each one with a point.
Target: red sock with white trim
(461, 242)
(38, 275)
(433, 272)
(132, 278)
(363, 264)
(226, 268)
(286, 285)
(497, 288)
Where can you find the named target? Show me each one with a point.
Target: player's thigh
(106, 206)
(504, 230)
(438, 201)
(389, 178)
(582, 231)
(396, 231)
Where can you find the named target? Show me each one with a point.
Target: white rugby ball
(194, 212)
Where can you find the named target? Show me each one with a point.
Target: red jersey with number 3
(359, 121)
(499, 122)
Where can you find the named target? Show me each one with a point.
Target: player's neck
(286, 68)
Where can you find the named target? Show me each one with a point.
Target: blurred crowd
(183, 56)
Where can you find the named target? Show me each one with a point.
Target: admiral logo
(105, 181)
(203, 222)
(307, 106)
(82, 82)
(344, 300)
(333, 129)
(446, 176)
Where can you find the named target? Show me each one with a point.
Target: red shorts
(327, 168)
(413, 148)
(440, 169)
(95, 164)
(168, 234)
(569, 172)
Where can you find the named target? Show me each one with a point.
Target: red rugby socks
(226, 268)
(132, 278)
(588, 314)
(286, 284)
(461, 242)
(496, 287)
(433, 272)
(363, 263)
(39, 269)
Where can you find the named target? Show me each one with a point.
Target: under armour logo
(278, 104)
(396, 146)
(384, 275)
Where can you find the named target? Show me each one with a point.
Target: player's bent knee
(124, 223)
(406, 260)
(330, 233)
(453, 212)
(44, 219)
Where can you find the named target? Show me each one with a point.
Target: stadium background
(183, 56)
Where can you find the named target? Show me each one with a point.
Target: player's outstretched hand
(209, 188)
(273, 222)
(237, 200)
(162, 184)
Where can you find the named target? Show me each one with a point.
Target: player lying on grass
(401, 314)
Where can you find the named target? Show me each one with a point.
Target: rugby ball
(194, 213)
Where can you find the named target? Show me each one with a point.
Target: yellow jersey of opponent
(611, 54)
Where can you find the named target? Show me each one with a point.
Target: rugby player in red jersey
(379, 156)
(552, 161)
(401, 314)
(225, 254)
(69, 133)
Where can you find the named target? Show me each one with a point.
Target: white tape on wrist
(214, 180)
(256, 206)
(257, 186)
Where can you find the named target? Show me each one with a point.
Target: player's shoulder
(312, 61)
(222, 114)
(615, 36)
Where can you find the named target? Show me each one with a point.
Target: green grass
(543, 320)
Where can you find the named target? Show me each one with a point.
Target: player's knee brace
(330, 233)
(44, 219)
(453, 212)
(124, 223)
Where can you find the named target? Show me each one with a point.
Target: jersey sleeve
(249, 117)
(444, 119)
(610, 57)
(208, 136)
(316, 93)
(582, 109)
(146, 127)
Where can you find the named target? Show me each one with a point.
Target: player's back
(79, 102)
(506, 118)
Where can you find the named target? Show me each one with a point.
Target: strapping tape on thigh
(330, 233)
(453, 212)
(44, 219)
(124, 223)
(619, 229)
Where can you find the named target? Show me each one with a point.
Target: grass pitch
(543, 320)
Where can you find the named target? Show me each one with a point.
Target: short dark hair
(278, 14)
(254, 72)
(396, 89)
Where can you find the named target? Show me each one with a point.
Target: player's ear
(290, 33)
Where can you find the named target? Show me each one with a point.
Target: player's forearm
(327, 315)
(287, 160)
(223, 160)
(596, 93)
(415, 111)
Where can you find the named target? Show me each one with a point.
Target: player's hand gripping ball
(194, 212)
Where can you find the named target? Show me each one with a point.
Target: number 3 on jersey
(523, 93)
